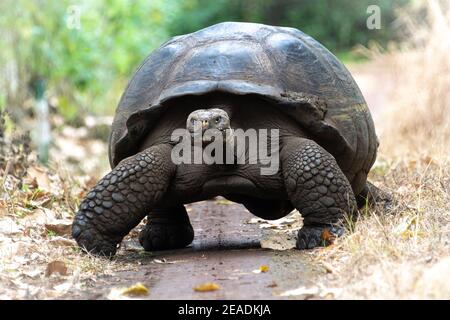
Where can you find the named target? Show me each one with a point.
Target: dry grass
(404, 252)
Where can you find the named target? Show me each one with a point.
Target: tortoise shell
(282, 65)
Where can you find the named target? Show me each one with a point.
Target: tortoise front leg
(121, 200)
(318, 189)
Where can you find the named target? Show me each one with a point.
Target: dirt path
(226, 251)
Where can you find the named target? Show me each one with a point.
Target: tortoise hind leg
(372, 195)
(167, 228)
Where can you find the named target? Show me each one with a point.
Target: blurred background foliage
(86, 69)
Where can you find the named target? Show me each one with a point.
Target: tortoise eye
(218, 119)
(192, 120)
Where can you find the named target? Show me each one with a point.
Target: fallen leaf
(328, 236)
(56, 267)
(264, 268)
(63, 228)
(40, 177)
(207, 286)
(136, 290)
(261, 269)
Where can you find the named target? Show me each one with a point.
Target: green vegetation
(85, 69)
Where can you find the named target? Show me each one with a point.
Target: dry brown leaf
(56, 267)
(206, 287)
(328, 236)
(63, 228)
(39, 175)
(136, 290)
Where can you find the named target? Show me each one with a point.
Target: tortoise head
(207, 122)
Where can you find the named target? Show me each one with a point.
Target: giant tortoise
(223, 78)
